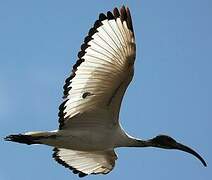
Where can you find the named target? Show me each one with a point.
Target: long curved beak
(191, 151)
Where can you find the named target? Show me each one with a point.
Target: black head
(166, 142)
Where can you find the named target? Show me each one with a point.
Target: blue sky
(170, 93)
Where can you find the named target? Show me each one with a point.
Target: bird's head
(166, 142)
(163, 141)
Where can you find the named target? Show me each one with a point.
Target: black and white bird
(89, 129)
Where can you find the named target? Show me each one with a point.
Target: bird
(89, 126)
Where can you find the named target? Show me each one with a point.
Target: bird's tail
(29, 138)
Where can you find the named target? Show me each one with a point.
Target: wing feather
(104, 68)
(84, 162)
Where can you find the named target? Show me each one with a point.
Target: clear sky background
(171, 92)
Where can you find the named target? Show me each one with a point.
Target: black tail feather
(20, 138)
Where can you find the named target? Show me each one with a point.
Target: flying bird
(89, 127)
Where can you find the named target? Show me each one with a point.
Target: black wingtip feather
(82, 174)
(102, 17)
(116, 13)
(87, 39)
(123, 14)
(110, 16)
(80, 54)
(97, 23)
(129, 19)
(84, 46)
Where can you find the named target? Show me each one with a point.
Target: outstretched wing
(104, 68)
(84, 163)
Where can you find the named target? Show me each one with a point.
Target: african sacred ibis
(89, 129)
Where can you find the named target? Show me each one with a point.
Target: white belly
(92, 139)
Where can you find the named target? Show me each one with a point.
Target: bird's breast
(88, 139)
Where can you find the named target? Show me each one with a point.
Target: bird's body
(98, 138)
(89, 127)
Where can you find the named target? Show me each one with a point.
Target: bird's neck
(125, 140)
(134, 142)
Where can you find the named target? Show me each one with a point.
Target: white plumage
(89, 116)
(93, 95)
